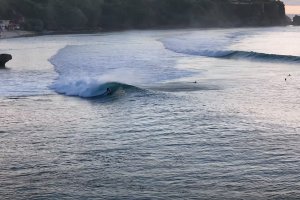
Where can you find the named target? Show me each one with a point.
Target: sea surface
(193, 114)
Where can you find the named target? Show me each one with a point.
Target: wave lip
(212, 49)
(258, 56)
(90, 88)
(250, 55)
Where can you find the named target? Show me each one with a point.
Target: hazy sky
(292, 2)
(292, 6)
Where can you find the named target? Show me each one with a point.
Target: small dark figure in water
(4, 58)
(108, 91)
(195, 82)
(287, 77)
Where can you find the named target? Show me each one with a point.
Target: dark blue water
(234, 134)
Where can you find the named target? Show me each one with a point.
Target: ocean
(192, 114)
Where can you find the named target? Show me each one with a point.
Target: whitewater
(193, 114)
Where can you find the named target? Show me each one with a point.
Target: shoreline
(16, 34)
(23, 33)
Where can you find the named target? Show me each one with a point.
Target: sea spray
(84, 69)
(91, 87)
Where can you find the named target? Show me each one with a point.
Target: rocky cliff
(296, 20)
(258, 13)
(4, 58)
(65, 15)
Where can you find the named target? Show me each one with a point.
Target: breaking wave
(243, 55)
(219, 47)
(88, 70)
(91, 88)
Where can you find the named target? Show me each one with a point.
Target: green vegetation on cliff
(123, 14)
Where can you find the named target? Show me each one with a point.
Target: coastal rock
(296, 20)
(4, 58)
(145, 14)
(258, 13)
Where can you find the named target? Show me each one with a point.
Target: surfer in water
(287, 77)
(108, 91)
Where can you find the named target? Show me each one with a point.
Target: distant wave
(242, 55)
(260, 56)
(248, 55)
(212, 49)
(91, 88)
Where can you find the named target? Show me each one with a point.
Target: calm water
(235, 134)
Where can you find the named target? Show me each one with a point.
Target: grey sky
(292, 2)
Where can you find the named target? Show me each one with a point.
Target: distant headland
(296, 20)
(102, 15)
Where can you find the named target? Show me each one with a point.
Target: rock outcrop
(143, 14)
(258, 13)
(4, 58)
(296, 20)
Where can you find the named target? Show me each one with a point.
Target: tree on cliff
(120, 14)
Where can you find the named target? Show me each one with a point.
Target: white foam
(135, 60)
